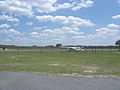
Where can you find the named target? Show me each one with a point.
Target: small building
(3, 48)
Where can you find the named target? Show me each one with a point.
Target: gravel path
(36, 81)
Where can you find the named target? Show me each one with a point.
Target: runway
(37, 81)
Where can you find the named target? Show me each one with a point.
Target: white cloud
(65, 20)
(55, 33)
(39, 28)
(116, 17)
(78, 37)
(103, 32)
(79, 22)
(17, 40)
(64, 5)
(29, 7)
(84, 3)
(15, 32)
(34, 34)
(17, 7)
(44, 35)
(44, 18)
(45, 5)
(75, 5)
(60, 19)
(75, 28)
(63, 30)
(29, 23)
(53, 5)
(71, 30)
(4, 26)
(111, 30)
(8, 18)
(113, 26)
(11, 32)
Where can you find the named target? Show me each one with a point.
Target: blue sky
(69, 22)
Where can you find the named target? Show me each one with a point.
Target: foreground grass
(61, 62)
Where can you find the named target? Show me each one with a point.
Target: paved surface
(27, 81)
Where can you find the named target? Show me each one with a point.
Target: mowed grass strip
(61, 62)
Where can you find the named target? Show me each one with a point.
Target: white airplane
(74, 48)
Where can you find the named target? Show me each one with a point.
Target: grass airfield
(61, 62)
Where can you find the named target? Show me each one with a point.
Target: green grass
(61, 62)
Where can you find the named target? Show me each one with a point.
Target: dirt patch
(7, 65)
(90, 69)
(53, 64)
(14, 65)
(12, 57)
(117, 52)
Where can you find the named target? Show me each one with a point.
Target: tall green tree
(58, 45)
(118, 43)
